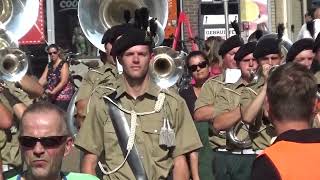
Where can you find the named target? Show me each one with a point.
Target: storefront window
(68, 33)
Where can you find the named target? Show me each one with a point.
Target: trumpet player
(268, 54)
(234, 160)
(205, 104)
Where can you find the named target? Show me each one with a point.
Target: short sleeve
(90, 136)
(222, 105)
(86, 86)
(206, 96)
(187, 137)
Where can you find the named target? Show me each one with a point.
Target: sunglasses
(201, 65)
(47, 142)
(54, 52)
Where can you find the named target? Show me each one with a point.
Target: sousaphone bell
(96, 16)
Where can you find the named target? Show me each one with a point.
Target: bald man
(45, 140)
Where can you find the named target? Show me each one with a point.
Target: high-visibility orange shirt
(293, 156)
(295, 160)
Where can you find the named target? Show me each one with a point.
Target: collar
(63, 176)
(152, 88)
(311, 135)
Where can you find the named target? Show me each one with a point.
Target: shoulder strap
(233, 91)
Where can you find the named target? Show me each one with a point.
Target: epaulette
(96, 71)
(233, 91)
(251, 90)
(219, 79)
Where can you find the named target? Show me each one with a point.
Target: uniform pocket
(151, 132)
(113, 153)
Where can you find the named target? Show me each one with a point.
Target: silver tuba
(166, 68)
(96, 16)
(13, 62)
(18, 16)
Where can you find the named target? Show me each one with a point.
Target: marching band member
(205, 104)
(301, 52)
(268, 53)
(234, 162)
(106, 75)
(161, 126)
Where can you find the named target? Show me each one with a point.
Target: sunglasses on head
(47, 142)
(54, 52)
(201, 65)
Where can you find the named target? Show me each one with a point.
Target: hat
(129, 39)
(266, 46)
(299, 46)
(244, 50)
(114, 32)
(316, 43)
(229, 44)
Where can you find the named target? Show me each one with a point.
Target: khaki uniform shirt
(261, 132)
(105, 75)
(317, 76)
(97, 135)
(10, 152)
(2, 133)
(208, 94)
(227, 100)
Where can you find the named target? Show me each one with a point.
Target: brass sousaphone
(96, 16)
(14, 25)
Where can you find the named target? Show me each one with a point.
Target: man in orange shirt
(291, 104)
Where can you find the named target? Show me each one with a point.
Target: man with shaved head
(44, 140)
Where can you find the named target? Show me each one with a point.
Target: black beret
(299, 46)
(245, 50)
(129, 39)
(114, 32)
(316, 43)
(106, 36)
(265, 47)
(229, 44)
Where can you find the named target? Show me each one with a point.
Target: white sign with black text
(218, 32)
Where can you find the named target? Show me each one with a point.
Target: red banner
(36, 34)
(172, 18)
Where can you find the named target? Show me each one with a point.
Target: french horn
(96, 16)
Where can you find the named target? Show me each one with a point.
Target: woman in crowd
(212, 46)
(198, 65)
(55, 79)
